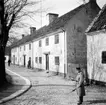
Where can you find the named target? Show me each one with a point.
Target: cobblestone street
(48, 89)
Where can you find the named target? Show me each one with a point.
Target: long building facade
(60, 46)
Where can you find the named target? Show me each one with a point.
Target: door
(47, 61)
(24, 60)
(14, 59)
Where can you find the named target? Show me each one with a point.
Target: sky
(53, 6)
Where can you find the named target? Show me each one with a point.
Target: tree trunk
(2, 67)
(2, 46)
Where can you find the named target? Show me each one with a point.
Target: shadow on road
(96, 101)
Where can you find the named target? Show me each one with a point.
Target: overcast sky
(55, 6)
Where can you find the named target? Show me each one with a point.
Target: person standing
(9, 61)
(29, 63)
(79, 85)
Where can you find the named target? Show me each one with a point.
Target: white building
(61, 45)
(45, 52)
(96, 47)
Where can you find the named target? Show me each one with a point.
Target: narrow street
(48, 89)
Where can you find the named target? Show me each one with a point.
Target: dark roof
(99, 22)
(55, 25)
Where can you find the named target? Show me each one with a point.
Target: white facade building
(96, 48)
(59, 46)
(48, 53)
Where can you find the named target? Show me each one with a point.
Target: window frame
(36, 59)
(103, 57)
(57, 60)
(24, 47)
(29, 46)
(56, 39)
(40, 60)
(47, 41)
(40, 43)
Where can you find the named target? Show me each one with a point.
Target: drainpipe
(65, 54)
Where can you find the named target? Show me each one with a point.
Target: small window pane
(56, 39)
(24, 47)
(104, 57)
(36, 59)
(47, 41)
(29, 46)
(57, 62)
(40, 60)
(40, 43)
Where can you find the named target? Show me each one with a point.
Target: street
(48, 89)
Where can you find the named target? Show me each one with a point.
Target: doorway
(47, 61)
(24, 60)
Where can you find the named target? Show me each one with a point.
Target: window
(20, 48)
(24, 47)
(36, 59)
(40, 60)
(47, 41)
(56, 39)
(40, 43)
(104, 57)
(57, 62)
(20, 58)
(29, 46)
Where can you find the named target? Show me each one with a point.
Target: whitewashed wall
(96, 43)
(36, 51)
(19, 53)
(54, 49)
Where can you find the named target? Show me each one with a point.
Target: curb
(19, 92)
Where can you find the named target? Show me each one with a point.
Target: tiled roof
(99, 22)
(55, 25)
(58, 23)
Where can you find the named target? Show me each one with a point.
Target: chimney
(23, 35)
(92, 1)
(32, 30)
(93, 4)
(52, 17)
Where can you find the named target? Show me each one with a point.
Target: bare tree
(11, 14)
(11, 40)
(2, 66)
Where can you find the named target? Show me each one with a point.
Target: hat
(78, 68)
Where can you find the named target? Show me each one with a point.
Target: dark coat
(80, 84)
